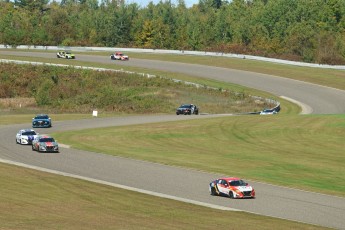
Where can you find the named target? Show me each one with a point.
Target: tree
(32, 5)
(301, 38)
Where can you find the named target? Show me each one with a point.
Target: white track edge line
(306, 109)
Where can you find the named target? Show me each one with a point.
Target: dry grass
(20, 102)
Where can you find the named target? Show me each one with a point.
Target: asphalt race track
(292, 204)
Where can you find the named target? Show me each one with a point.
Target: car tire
(213, 191)
(231, 195)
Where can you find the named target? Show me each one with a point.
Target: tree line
(301, 30)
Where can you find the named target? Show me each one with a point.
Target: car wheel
(213, 191)
(231, 195)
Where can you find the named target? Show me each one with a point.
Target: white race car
(268, 112)
(25, 136)
(65, 54)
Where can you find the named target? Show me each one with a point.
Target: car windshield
(41, 117)
(29, 133)
(237, 183)
(47, 139)
(185, 106)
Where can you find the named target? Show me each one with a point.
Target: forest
(300, 30)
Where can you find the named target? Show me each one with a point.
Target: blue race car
(41, 121)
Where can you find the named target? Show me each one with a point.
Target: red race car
(43, 143)
(232, 187)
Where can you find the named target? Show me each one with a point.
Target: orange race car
(232, 187)
(119, 56)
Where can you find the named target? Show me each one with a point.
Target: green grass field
(297, 151)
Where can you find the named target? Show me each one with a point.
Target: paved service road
(271, 200)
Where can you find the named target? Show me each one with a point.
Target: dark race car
(187, 109)
(41, 121)
(232, 187)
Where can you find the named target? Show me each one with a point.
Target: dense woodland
(302, 30)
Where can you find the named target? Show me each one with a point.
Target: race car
(119, 56)
(43, 143)
(268, 112)
(25, 136)
(232, 187)
(41, 121)
(65, 54)
(187, 109)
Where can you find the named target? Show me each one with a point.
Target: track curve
(321, 99)
(292, 204)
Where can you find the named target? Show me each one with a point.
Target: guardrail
(270, 101)
(178, 52)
